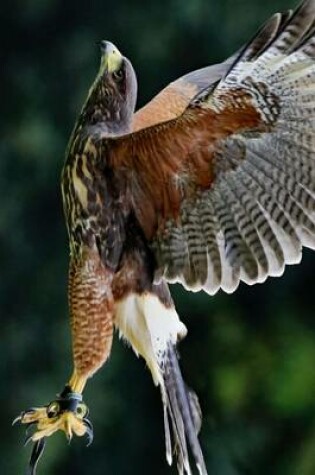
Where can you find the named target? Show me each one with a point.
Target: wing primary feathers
(262, 39)
(296, 29)
(270, 244)
(246, 228)
(269, 202)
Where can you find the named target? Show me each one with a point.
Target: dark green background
(250, 356)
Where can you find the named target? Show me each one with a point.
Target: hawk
(210, 184)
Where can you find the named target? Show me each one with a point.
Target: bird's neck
(97, 120)
(106, 113)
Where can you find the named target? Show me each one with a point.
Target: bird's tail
(151, 324)
(182, 416)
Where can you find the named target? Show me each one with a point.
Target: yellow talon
(67, 422)
(68, 413)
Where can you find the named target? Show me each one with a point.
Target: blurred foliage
(250, 356)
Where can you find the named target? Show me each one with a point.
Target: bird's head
(112, 98)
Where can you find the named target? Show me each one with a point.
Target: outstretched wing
(226, 191)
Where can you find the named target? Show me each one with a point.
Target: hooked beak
(111, 57)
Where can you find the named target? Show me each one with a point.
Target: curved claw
(27, 439)
(68, 413)
(17, 419)
(36, 454)
(20, 417)
(89, 431)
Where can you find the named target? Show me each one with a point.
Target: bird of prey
(210, 184)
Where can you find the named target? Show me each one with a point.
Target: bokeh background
(250, 356)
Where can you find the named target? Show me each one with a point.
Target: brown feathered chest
(94, 200)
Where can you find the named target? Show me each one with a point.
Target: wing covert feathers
(174, 98)
(225, 192)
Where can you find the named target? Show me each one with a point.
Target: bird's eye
(118, 75)
(82, 410)
(53, 409)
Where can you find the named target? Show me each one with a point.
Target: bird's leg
(91, 311)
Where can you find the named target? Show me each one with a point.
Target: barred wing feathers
(226, 192)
